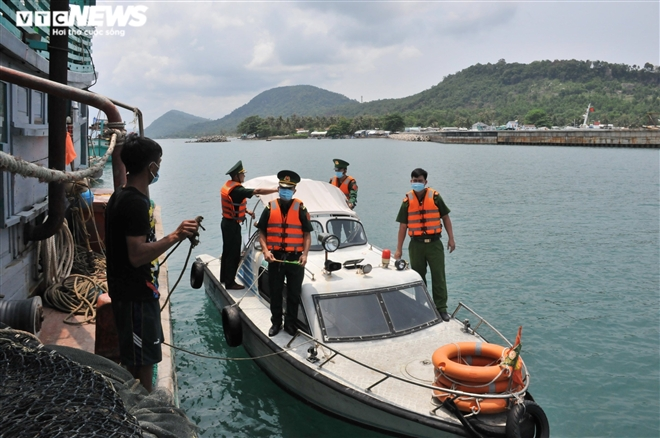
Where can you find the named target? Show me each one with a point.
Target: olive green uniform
(279, 272)
(429, 250)
(232, 239)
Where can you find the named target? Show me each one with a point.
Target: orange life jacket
(284, 232)
(344, 187)
(230, 209)
(423, 217)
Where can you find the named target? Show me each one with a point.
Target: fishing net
(53, 391)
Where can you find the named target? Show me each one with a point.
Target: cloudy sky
(209, 57)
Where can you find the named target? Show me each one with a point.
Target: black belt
(426, 239)
(290, 256)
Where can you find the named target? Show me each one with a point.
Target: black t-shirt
(129, 213)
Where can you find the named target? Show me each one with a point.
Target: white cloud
(209, 58)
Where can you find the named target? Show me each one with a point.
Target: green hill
(282, 101)
(496, 93)
(556, 92)
(170, 123)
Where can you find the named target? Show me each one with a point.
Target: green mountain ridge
(276, 102)
(497, 93)
(491, 93)
(170, 123)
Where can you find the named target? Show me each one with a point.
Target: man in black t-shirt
(132, 253)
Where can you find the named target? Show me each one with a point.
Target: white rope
(25, 168)
(57, 254)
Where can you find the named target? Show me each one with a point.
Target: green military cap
(340, 164)
(238, 168)
(288, 178)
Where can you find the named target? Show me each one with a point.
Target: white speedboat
(367, 331)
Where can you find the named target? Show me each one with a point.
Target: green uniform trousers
(433, 254)
(231, 250)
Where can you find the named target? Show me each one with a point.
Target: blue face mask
(155, 177)
(417, 186)
(339, 174)
(286, 194)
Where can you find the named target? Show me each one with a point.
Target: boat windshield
(350, 233)
(375, 314)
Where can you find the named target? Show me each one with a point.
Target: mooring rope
(21, 167)
(56, 255)
(284, 350)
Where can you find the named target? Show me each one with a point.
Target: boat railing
(386, 375)
(482, 321)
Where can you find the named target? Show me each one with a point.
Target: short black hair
(419, 172)
(138, 152)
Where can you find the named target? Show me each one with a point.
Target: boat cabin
(349, 293)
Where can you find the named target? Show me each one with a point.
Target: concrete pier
(629, 138)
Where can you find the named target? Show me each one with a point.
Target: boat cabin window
(375, 314)
(317, 229)
(350, 232)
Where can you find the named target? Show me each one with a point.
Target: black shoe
(235, 286)
(291, 330)
(445, 316)
(275, 329)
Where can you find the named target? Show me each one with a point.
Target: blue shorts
(140, 332)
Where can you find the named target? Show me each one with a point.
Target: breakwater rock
(209, 139)
(410, 137)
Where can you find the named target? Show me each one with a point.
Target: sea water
(563, 241)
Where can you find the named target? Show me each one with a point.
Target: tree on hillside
(344, 126)
(538, 118)
(250, 125)
(333, 131)
(393, 122)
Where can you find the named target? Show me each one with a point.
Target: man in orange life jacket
(421, 213)
(284, 235)
(349, 188)
(233, 197)
(345, 182)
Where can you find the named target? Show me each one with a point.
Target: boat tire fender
(197, 275)
(231, 326)
(516, 419)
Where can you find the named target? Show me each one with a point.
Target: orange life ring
(444, 359)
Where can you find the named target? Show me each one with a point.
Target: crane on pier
(590, 109)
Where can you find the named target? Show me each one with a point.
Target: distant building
(318, 133)
(413, 129)
(302, 131)
(377, 133)
(480, 126)
(527, 127)
(512, 125)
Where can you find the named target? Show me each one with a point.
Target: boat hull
(305, 382)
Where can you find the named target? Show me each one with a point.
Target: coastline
(629, 138)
